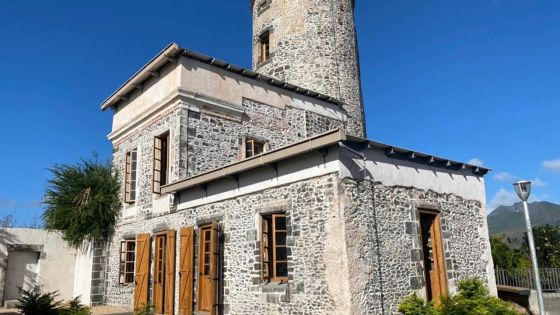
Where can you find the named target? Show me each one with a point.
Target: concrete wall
(83, 272)
(56, 261)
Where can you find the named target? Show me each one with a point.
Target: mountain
(511, 220)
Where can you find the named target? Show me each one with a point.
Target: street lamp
(523, 190)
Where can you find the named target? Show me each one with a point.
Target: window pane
(129, 278)
(281, 238)
(206, 258)
(129, 267)
(130, 246)
(130, 256)
(206, 247)
(280, 223)
(281, 253)
(258, 148)
(281, 269)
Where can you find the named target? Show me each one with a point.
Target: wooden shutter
(170, 273)
(142, 270)
(214, 264)
(186, 271)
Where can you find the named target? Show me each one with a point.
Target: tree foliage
(8, 221)
(547, 244)
(472, 298)
(506, 256)
(82, 201)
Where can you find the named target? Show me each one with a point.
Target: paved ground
(552, 303)
(100, 310)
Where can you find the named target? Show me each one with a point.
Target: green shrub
(33, 302)
(413, 305)
(472, 298)
(74, 307)
(146, 309)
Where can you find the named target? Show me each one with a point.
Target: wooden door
(186, 267)
(159, 273)
(169, 293)
(142, 278)
(208, 269)
(432, 247)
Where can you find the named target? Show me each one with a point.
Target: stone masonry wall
(204, 139)
(214, 139)
(386, 263)
(313, 45)
(308, 205)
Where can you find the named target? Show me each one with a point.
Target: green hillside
(511, 221)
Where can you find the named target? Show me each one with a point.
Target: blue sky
(462, 79)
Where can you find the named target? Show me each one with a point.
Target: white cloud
(476, 162)
(537, 182)
(506, 197)
(503, 198)
(552, 165)
(504, 177)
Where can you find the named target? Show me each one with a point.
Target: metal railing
(550, 278)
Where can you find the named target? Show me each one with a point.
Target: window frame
(125, 261)
(249, 146)
(264, 46)
(263, 6)
(163, 168)
(131, 175)
(269, 247)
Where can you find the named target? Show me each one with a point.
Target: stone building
(255, 192)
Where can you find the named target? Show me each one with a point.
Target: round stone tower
(312, 44)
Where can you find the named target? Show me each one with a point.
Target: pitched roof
(173, 51)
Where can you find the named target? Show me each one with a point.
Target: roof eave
(148, 70)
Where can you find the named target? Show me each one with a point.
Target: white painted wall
(59, 267)
(395, 172)
(82, 273)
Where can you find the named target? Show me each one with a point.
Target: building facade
(255, 192)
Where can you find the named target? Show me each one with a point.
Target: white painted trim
(304, 174)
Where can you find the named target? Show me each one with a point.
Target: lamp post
(523, 190)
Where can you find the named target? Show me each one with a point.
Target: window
(264, 46)
(274, 252)
(127, 257)
(254, 147)
(130, 181)
(263, 6)
(161, 162)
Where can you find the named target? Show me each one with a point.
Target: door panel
(142, 270)
(159, 273)
(169, 293)
(208, 269)
(432, 247)
(186, 268)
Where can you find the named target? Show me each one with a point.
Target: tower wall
(313, 45)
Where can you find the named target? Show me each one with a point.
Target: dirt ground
(98, 310)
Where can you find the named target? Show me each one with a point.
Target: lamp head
(523, 189)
